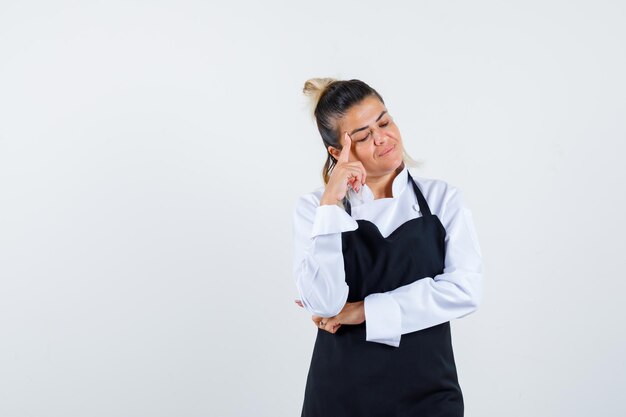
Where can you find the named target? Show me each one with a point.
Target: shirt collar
(365, 194)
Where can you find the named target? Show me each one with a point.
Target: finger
(330, 323)
(353, 182)
(362, 171)
(357, 168)
(358, 181)
(299, 303)
(325, 322)
(345, 151)
(332, 326)
(354, 176)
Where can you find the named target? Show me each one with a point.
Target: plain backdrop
(151, 153)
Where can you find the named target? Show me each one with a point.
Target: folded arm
(429, 301)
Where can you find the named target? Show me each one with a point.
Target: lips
(386, 151)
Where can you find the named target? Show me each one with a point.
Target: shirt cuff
(383, 321)
(332, 219)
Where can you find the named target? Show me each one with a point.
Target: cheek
(363, 149)
(359, 154)
(395, 133)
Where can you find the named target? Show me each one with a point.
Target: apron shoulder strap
(420, 197)
(346, 205)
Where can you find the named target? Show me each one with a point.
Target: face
(376, 140)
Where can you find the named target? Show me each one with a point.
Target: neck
(382, 185)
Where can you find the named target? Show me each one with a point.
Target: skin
(365, 136)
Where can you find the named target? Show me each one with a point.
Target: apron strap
(420, 197)
(346, 205)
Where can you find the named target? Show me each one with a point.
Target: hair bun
(314, 88)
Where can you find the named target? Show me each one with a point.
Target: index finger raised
(345, 151)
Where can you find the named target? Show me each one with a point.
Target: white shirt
(318, 266)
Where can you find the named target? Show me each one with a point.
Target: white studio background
(151, 154)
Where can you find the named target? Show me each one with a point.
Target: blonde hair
(330, 99)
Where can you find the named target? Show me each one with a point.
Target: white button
(416, 207)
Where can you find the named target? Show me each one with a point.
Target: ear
(334, 152)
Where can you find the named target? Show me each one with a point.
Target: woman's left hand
(351, 313)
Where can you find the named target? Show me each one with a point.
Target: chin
(396, 161)
(389, 166)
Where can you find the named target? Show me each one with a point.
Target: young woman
(383, 260)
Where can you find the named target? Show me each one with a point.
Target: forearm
(320, 277)
(429, 301)
(424, 303)
(318, 258)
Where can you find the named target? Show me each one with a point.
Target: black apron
(350, 377)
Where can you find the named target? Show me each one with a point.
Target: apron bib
(350, 377)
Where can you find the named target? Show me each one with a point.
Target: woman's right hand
(345, 174)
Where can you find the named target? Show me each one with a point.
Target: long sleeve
(429, 301)
(318, 266)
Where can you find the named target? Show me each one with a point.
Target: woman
(383, 260)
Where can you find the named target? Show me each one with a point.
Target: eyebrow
(365, 127)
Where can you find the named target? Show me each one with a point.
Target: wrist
(361, 311)
(328, 201)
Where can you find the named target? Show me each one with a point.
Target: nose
(378, 136)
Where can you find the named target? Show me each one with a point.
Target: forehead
(362, 114)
